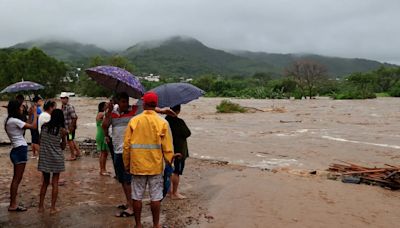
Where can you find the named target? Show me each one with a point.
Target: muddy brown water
(299, 133)
(307, 134)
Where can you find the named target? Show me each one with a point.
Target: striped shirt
(119, 122)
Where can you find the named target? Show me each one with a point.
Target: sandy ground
(282, 139)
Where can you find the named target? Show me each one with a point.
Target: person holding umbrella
(21, 100)
(15, 128)
(125, 85)
(174, 95)
(180, 132)
(118, 119)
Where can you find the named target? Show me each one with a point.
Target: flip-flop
(124, 214)
(18, 209)
(122, 207)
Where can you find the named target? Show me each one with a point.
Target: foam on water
(293, 133)
(360, 142)
(274, 163)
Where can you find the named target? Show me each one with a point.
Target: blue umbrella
(168, 170)
(172, 94)
(22, 86)
(117, 79)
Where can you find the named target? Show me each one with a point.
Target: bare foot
(54, 211)
(41, 209)
(62, 182)
(177, 196)
(104, 173)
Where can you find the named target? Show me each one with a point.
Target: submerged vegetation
(229, 107)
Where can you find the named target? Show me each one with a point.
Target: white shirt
(43, 118)
(15, 132)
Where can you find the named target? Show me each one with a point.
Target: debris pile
(88, 146)
(387, 177)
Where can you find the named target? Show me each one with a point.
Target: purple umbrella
(22, 86)
(117, 79)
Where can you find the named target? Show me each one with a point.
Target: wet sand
(284, 139)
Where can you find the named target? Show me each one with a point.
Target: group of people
(139, 140)
(50, 128)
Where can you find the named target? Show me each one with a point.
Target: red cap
(150, 97)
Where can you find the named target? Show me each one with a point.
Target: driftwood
(388, 177)
(290, 121)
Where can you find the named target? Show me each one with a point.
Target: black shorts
(179, 165)
(35, 136)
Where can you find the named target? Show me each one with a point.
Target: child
(38, 102)
(180, 132)
(51, 157)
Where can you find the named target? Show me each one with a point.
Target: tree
(364, 83)
(308, 75)
(33, 65)
(205, 82)
(387, 77)
(262, 78)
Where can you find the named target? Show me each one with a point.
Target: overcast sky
(346, 28)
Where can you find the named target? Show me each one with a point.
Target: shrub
(353, 94)
(229, 107)
(395, 90)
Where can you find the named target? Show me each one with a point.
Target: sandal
(124, 214)
(18, 209)
(122, 207)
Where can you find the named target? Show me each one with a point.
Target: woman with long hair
(53, 140)
(15, 128)
(102, 146)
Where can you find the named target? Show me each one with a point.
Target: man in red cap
(118, 118)
(148, 141)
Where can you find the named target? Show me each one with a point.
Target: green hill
(188, 57)
(67, 51)
(336, 66)
(185, 56)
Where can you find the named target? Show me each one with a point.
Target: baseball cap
(150, 97)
